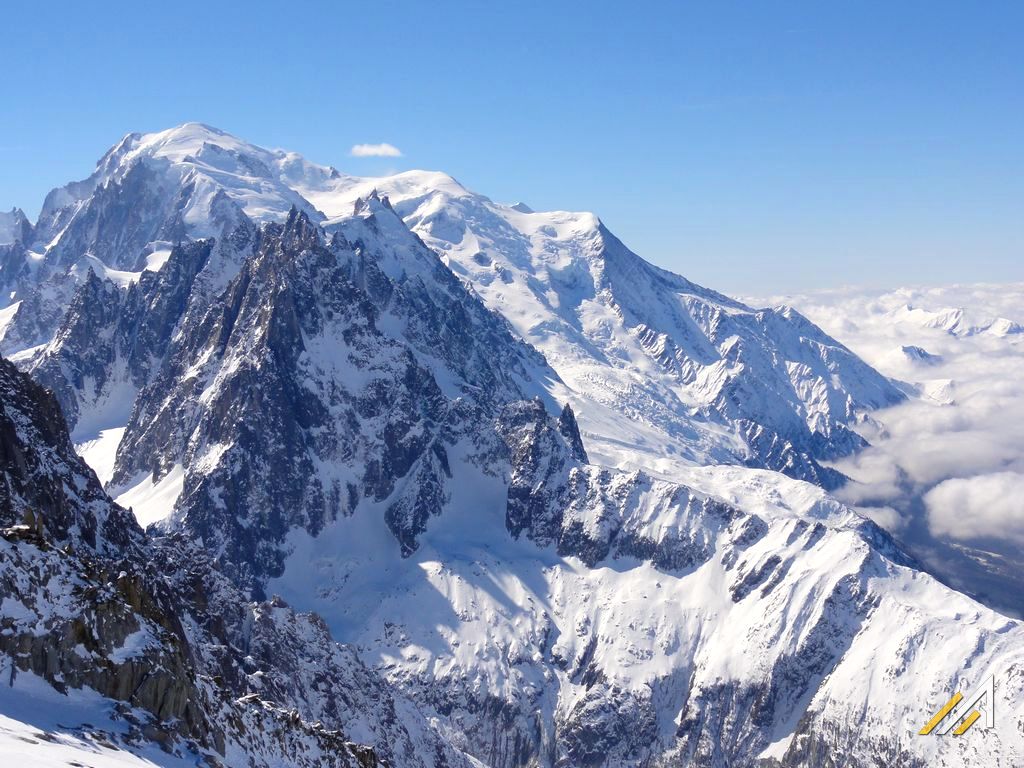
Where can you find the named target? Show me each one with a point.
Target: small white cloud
(375, 150)
(983, 506)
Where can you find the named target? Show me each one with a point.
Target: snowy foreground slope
(308, 401)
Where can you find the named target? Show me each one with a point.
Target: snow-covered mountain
(470, 437)
(147, 193)
(663, 373)
(631, 622)
(657, 366)
(956, 321)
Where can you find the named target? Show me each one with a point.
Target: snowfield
(40, 728)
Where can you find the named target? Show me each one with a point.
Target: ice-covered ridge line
(6, 316)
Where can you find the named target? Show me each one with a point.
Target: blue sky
(753, 147)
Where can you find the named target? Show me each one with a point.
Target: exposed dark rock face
(90, 602)
(121, 218)
(44, 478)
(554, 497)
(772, 451)
(112, 340)
(541, 467)
(111, 222)
(313, 357)
(570, 430)
(72, 559)
(260, 393)
(437, 316)
(41, 307)
(98, 627)
(608, 723)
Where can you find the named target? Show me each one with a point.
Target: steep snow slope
(42, 728)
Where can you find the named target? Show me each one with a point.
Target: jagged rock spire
(570, 430)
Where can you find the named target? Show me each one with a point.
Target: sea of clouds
(949, 462)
